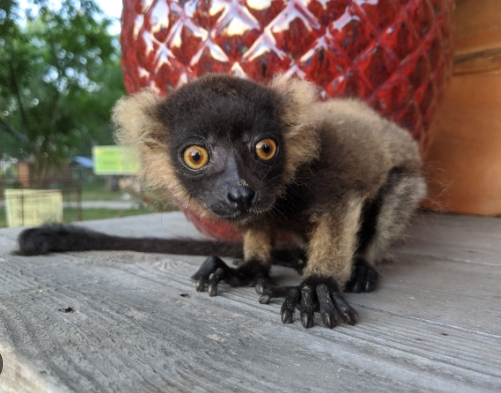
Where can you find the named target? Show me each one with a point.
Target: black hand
(314, 291)
(363, 278)
(214, 270)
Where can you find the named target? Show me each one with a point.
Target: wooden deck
(130, 322)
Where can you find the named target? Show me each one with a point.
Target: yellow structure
(33, 207)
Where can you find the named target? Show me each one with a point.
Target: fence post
(22, 207)
(79, 200)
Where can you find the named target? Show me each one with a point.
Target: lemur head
(226, 144)
(223, 145)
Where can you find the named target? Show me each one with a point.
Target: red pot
(394, 54)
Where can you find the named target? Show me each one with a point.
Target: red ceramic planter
(393, 54)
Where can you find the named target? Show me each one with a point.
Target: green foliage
(59, 78)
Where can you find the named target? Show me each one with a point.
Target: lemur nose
(243, 197)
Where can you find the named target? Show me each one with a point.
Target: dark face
(226, 140)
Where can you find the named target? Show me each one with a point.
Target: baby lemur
(269, 159)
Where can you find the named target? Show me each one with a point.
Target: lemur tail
(64, 238)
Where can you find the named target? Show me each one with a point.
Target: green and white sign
(115, 160)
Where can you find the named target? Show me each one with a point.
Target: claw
(286, 317)
(348, 313)
(370, 286)
(306, 321)
(260, 288)
(328, 321)
(200, 286)
(350, 317)
(212, 290)
(265, 299)
(363, 279)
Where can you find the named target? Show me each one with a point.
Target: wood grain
(138, 325)
(478, 26)
(477, 37)
(462, 151)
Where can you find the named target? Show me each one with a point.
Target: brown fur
(395, 213)
(301, 139)
(333, 241)
(137, 126)
(258, 245)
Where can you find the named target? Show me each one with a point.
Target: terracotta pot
(394, 54)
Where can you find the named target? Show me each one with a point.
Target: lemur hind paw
(314, 294)
(364, 278)
(214, 270)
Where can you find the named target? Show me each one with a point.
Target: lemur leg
(330, 258)
(254, 271)
(384, 219)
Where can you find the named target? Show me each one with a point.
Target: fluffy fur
(344, 181)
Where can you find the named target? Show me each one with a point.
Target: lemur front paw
(314, 293)
(214, 270)
(363, 278)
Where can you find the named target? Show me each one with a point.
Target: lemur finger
(210, 265)
(273, 292)
(357, 280)
(327, 309)
(348, 313)
(216, 277)
(261, 283)
(289, 305)
(372, 278)
(363, 279)
(200, 286)
(306, 306)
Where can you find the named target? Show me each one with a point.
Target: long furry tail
(63, 238)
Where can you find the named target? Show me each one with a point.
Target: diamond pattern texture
(394, 54)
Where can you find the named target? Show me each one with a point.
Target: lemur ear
(136, 122)
(301, 138)
(297, 94)
(138, 126)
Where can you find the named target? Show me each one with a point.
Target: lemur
(269, 159)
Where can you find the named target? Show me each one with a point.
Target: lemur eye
(266, 149)
(195, 157)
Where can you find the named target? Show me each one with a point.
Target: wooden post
(462, 149)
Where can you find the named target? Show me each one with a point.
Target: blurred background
(433, 66)
(60, 76)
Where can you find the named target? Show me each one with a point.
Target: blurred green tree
(59, 78)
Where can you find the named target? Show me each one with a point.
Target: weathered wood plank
(433, 325)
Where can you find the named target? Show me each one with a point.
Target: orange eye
(266, 149)
(196, 157)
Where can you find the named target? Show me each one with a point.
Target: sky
(112, 9)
